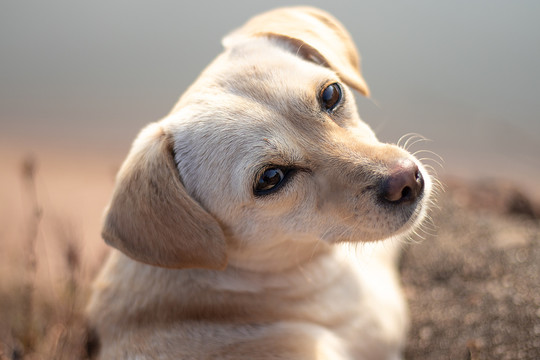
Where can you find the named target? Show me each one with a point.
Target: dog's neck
(280, 256)
(319, 271)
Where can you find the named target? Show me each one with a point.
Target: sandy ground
(473, 283)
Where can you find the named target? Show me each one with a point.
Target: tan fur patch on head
(311, 33)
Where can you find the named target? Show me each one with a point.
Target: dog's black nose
(403, 184)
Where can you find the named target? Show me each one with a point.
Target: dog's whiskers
(410, 140)
(431, 169)
(406, 139)
(429, 152)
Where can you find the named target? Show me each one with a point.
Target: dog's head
(264, 157)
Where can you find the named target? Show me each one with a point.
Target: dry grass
(44, 281)
(36, 325)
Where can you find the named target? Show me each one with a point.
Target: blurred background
(79, 79)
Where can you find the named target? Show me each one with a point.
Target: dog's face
(265, 154)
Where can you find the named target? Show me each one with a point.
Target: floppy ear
(311, 33)
(152, 219)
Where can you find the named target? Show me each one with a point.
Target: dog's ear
(152, 219)
(311, 33)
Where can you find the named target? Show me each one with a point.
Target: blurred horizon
(87, 76)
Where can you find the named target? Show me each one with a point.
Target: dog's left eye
(271, 179)
(331, 96)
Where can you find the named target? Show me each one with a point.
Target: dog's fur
(209, 270)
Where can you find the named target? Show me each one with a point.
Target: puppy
(233, 216)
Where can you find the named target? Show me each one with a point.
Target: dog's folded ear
(311, 33)
(152, 219)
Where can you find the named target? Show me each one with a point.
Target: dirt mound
(474, 285)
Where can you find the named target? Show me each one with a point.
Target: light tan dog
(233, 215)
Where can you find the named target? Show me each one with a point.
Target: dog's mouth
(396, 205)
(393, 205)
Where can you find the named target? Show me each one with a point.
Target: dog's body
(236, 212)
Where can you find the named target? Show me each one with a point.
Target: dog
(248, 223)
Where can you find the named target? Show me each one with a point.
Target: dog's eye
(271, 179)
(331, 96)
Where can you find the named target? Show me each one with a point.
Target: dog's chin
(413, 222)
(405, 220)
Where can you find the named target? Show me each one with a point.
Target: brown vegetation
(41, 321)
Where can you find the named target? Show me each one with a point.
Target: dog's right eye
(331, 96)
(270, 180)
